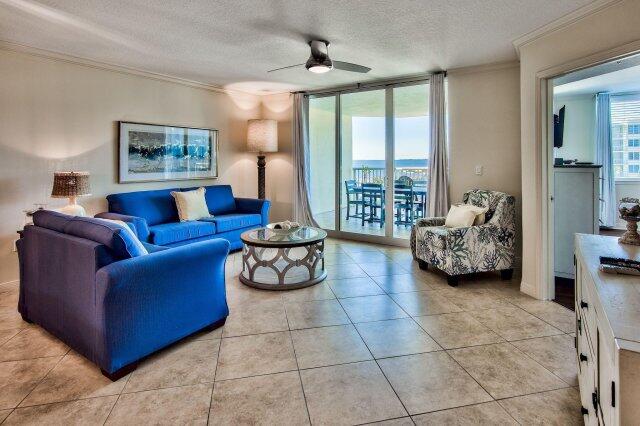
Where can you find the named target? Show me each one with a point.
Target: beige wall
(579, 141)
(55, 115)
(484, 130)
(583, 41)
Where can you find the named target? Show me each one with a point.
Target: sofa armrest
(147, 302)
(140, 224)
(430, 221)
(253, 205)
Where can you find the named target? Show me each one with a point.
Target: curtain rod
(369, 85)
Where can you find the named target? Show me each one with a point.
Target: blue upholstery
(117, 311)
(154, 206)
(51, 220)
(233, 221)
(168, 233)
(160, 227)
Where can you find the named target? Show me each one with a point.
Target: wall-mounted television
(558, 128)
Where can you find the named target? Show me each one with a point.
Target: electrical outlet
(479, 170)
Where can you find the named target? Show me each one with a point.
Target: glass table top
(274, 238)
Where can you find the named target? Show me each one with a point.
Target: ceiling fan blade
(284, 68)
(348, 66)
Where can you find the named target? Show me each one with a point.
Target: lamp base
(261, 167)
(73, 210)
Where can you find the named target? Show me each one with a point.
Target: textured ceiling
(232, 43)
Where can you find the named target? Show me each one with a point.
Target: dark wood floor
(565, 292)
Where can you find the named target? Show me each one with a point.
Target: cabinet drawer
(587, 381)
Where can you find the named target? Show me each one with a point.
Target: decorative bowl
(281, 231)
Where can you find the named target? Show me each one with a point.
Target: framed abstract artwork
(152, 152)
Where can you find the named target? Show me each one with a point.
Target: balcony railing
(377, 174)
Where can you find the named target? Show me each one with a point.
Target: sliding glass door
(369, 160)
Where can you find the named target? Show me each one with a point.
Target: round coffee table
(279, 260)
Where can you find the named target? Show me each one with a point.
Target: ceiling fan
(319, 61)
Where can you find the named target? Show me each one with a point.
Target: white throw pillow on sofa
(191, 205)
(459, 217)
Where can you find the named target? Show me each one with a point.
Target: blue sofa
(155, 216)
(79, 281)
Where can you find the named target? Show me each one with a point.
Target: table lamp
(71, 185)
(262, 137)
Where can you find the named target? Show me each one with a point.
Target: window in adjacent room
(625, 135)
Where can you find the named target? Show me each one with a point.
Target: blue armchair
(155, 217)
(78, 283)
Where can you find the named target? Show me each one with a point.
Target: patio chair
(353, 198)
(403, 203)
(373, 198)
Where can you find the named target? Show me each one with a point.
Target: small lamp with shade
(71, 185)
(262, 137)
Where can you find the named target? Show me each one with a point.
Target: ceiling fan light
(319, 68)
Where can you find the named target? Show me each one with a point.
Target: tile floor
(378, 341)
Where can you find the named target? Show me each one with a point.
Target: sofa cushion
(220, 199)
(230, 222)
(155, 206)
(51, 220)
(120, 240)
(169, 233)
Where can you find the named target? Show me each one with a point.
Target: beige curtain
(438, 193)
(300, 141)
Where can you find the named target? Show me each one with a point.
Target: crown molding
(483, 68)
(562, 22)
(62, 57)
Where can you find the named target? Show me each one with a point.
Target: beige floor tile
(372, 308)
(559, 407)
(425, 303)
(378, 269)
(5, 335)
(92, 411)
(74, 377)
(504, 371)
(10, 319)
(473, 299)
(401, 283)
(368, 256)
(9, 298)
(514, 323)
(172, 406)
(339, 272)
(207, 334)
(551, 312)
(354, 287)
(254, 355)
(349, 394)
(18, 378)
(319, 347)
(556, 353)
(241, 295)
(431, 381)
(396, 337)
(337, 258)
(317, 313)
(435, 280)
(457, 330)
(487, 414)
(186, 363)
(320, 291)
(275, 399)
(32, 342)
(403, 421)
(251, 318)
(4, 414)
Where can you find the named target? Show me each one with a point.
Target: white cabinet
(576, 209)
(607, 334)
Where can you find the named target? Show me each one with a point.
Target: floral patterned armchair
(459, 251)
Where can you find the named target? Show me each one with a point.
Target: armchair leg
(119, 374)
(423, 265)
(506, 274)
(452, 280)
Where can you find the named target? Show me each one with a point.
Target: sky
(411, 138)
